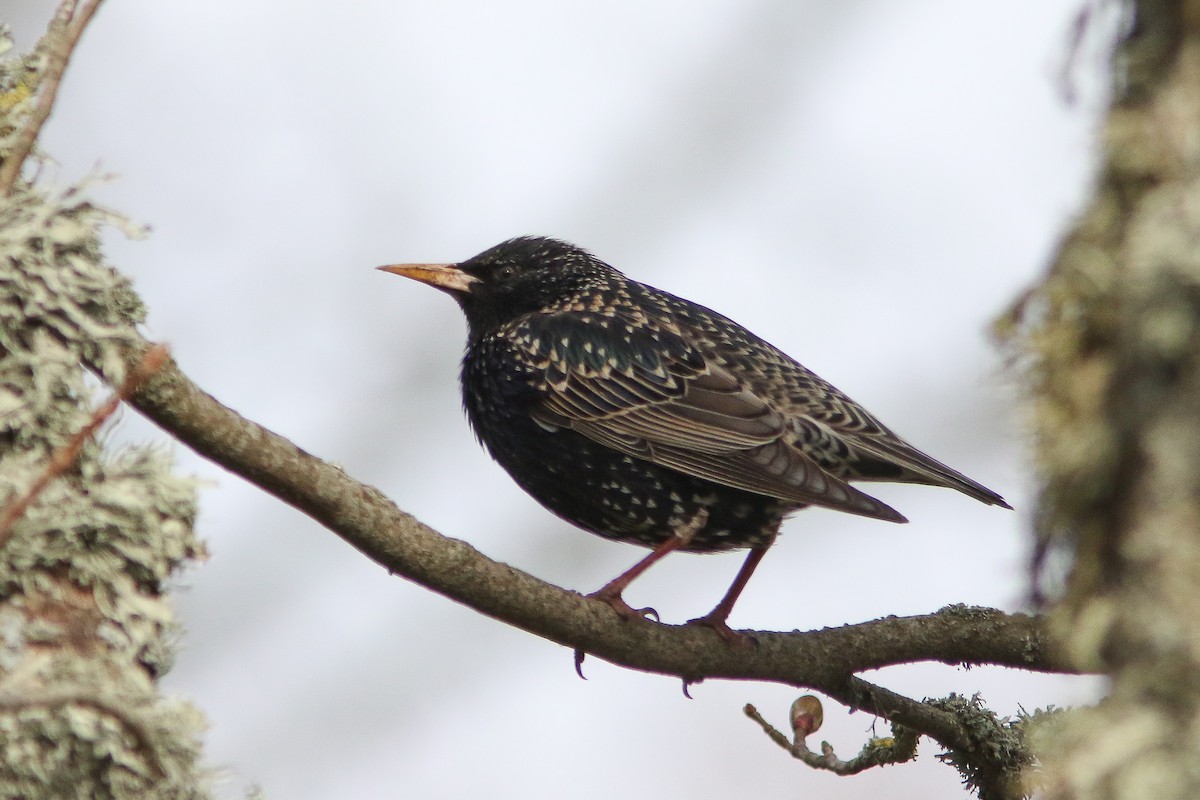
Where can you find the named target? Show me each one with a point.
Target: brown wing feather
(701, 420)
(840, 434)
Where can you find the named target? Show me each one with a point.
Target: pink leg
(716, 619)
(611, 592)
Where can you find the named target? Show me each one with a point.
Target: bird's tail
(900, 462)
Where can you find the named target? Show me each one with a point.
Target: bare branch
(370, 522)
(825, 660)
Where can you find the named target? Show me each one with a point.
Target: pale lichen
(85, 623)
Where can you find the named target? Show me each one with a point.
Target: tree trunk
(1115, 335)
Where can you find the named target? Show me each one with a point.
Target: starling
(645, 418)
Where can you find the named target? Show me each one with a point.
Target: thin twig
(897, 749)
(65, 456)
(62, 35)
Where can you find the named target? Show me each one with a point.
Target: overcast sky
(866, 184)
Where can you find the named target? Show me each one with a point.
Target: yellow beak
(447, 277)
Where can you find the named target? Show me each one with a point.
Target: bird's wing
(826, 423)
(646, 391)
(872, 452)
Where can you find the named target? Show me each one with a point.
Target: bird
(646, 418)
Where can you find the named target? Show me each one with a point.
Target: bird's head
(513, 278)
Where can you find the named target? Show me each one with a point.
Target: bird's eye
(506, 273)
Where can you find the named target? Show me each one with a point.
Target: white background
(866, 184)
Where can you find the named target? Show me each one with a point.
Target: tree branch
(70, 21)
(824, 660)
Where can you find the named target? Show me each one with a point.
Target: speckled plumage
(631, 412)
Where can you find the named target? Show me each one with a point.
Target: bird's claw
(579, 657)
(646, 613)
(623, 609)
(736, 640)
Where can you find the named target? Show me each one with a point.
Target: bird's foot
(716, 621)
(623, 609)
(611, 596)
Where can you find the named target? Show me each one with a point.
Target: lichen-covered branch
(1112, 336)
(55, 50)
(65, 457)
(85, 622)
(89, 536)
